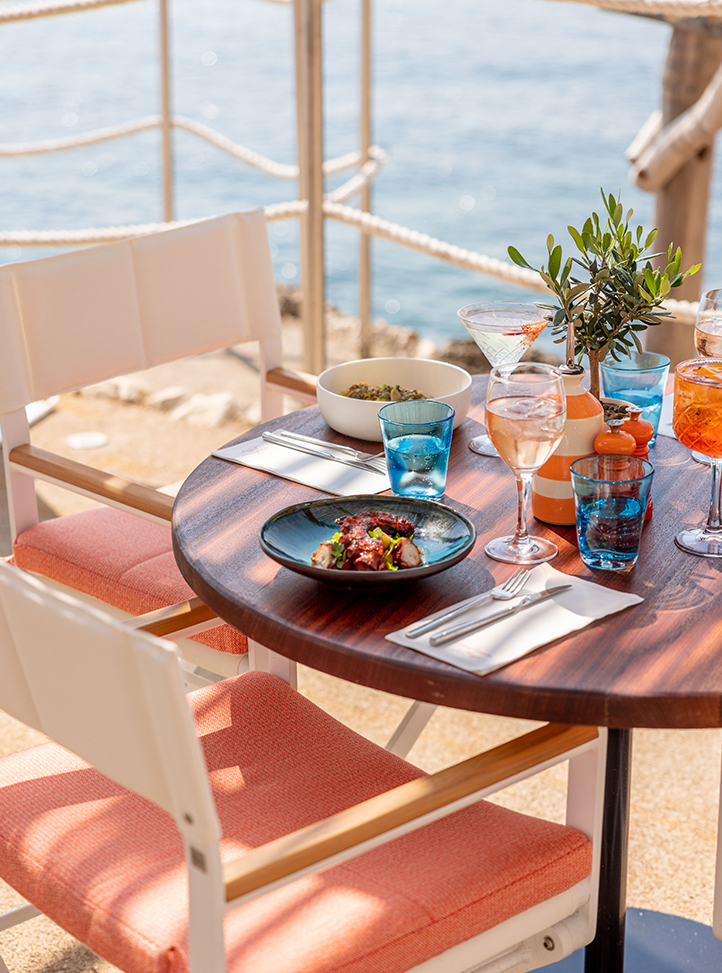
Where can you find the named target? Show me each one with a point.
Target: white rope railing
(684, 311)
(277, 169)
(76, 141)
(669, 9)
(366, 174)
(51, 8)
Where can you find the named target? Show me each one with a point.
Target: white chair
(267, 836)
(86, 316)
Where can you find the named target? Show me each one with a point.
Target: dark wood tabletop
(657, 664)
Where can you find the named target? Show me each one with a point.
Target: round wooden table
(657, 664)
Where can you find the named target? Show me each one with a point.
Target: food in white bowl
(359, 417)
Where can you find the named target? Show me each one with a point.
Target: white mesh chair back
(86, 316)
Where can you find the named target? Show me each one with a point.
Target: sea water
(417, 466)
(501, 119)
(609, 530)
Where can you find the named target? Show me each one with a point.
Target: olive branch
(619, 294)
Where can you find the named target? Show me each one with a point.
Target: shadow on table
(660, 943)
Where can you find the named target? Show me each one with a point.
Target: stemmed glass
(697, 424)
(708, 327)
(525, 416)
(503, 331)
(708, 338)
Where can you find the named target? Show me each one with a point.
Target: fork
(376, 460)
(503, 592)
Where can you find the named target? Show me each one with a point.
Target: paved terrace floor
(676, 774)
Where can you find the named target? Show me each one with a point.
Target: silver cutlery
(466, 628)
(503, 592)
(322, 453)
(368, 459)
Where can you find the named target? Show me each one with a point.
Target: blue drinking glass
(640, 378)
(610, 500)
(417, 438)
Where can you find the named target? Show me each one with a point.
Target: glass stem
(713, 521)
(523, 489)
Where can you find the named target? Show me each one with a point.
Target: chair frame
(543, 934)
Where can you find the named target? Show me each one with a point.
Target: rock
(167, 398)
(126, 388)
(426, 348)
(391, 341)
(103, 390)
(207, 410)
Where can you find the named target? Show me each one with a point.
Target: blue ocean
(502, 120)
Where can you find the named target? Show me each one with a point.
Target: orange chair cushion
(120, 559)
(108, 866)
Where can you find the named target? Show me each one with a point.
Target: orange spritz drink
(698, 425)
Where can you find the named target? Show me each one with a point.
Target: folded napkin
(511, 638)
(665, 419)
(313, 471)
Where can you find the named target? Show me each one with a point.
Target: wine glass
(708, 338)
(708, 326)
(525, 416)
(504, 331)
(697, 424)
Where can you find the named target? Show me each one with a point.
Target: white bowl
(359, 417)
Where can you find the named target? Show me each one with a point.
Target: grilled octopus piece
(367, 553)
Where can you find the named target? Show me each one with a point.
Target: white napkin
(665, 419)
(313, 471)
(511, 638)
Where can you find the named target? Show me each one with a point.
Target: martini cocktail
(503, 331)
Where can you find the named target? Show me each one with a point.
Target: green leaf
(555, 259)
(517, 258)
(550, 243)
(617, 215)
(577, 237)
(651, 237)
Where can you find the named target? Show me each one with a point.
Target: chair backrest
(86, 316)
(110, 695)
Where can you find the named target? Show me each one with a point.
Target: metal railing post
(309, 77)
(165, 113)
(364, 263)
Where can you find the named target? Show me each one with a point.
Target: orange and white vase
(552, 499)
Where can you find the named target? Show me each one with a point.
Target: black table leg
(606, 953)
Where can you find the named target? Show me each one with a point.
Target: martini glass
(504, 331)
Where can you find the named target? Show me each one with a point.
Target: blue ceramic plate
(293, 534)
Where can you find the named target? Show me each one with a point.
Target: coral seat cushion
(123, 560)
(109, 866)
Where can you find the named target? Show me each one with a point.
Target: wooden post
(695, 53)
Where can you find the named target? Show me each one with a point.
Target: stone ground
(676, 774)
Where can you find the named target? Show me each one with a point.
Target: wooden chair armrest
(292, 381)
(103, 485)
(308, 846)
(174, 618)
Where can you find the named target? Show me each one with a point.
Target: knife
(458, 631)
(322, 453)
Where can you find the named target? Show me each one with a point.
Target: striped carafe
(552, 499)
